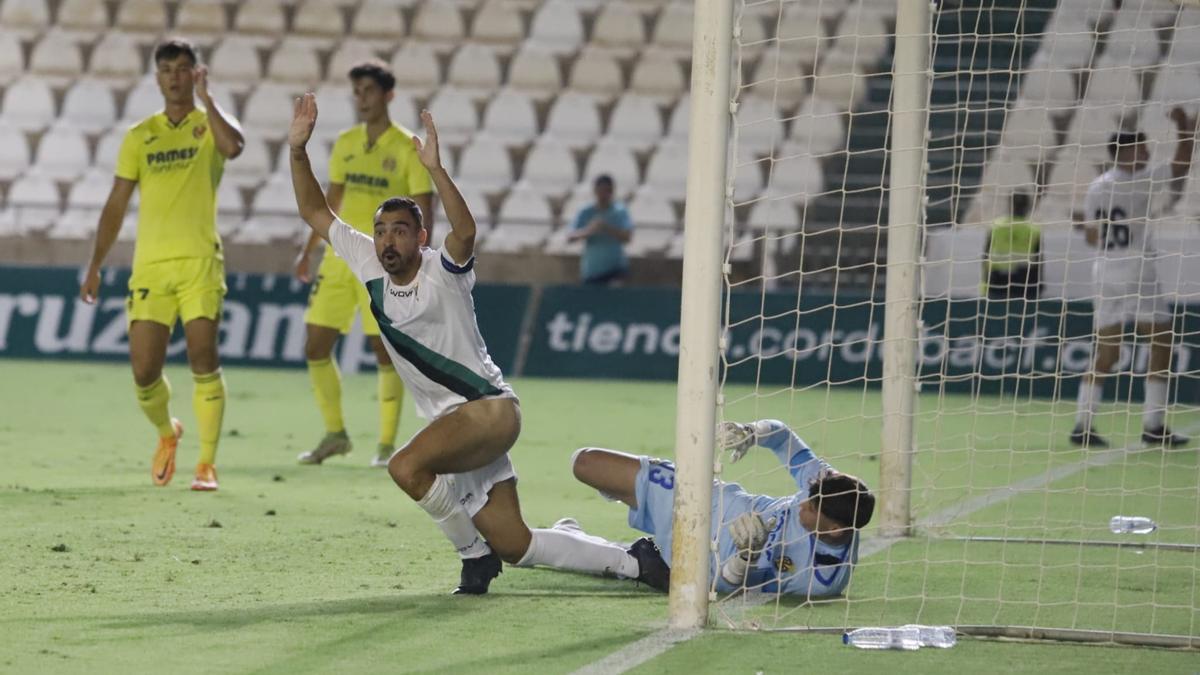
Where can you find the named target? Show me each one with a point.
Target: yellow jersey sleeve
(128, 165)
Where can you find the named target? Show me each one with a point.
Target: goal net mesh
(1010, 522)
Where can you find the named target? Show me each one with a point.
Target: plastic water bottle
(1131, 525)
(905, 637)
(941, 637)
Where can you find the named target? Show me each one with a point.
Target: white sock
(1155, 411)
(452, 519)
(1089, 398)
(579, 552)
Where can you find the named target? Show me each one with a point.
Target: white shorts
(1130, 302)
(471, 488)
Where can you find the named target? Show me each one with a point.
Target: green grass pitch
(297, 569)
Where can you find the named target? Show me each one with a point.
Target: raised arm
(460, 241)
(333, 197)
(227, 133)
(310, 201)
(775, 436)
(1181, 163)
(111, 218)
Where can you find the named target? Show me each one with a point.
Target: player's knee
(582, 462)
(146, 372)
(313, 351)
(203, 358)
(409, 475)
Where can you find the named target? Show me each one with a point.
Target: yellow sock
(327, 385)
(391, 399)
(208, 398)
(155, 402)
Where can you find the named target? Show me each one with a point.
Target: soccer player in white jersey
(457, 468)
(1119, 207)
(804, 544)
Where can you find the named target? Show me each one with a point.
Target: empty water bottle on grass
(908, 637)
(942, 637)
(1131, 525)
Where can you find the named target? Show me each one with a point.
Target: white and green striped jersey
(428, 326)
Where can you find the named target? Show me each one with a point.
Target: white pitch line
(636, 653)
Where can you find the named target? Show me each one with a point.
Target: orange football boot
(206, 478)
(163, 466)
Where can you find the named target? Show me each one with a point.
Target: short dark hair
(401, 204)
(1020, 203)
(378, 71)
(844, 499)
(1120, 138)
(603, 179)
(173, 48)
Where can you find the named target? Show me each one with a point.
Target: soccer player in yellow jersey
(371, 161)
(175, 157)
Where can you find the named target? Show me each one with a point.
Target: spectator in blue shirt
(605, 228)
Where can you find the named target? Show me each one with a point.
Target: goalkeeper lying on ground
(803, 544)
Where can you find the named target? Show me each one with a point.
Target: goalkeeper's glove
(737, 438)
(749, 534)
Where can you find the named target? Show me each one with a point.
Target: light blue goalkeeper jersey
(794, 561)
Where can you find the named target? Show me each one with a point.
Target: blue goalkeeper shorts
(655, 491)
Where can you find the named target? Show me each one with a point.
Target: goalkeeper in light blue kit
(804, 544)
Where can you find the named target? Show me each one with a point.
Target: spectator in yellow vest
(1012, 263)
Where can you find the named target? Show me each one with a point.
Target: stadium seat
(345, 57)
(142, 17)
(557, 27)
(1001, 175)
(1048, 86)
(202, 20)
(485, 166)
(597, 74)
(56, 59)
(866, 31)
(235, 62)
(272, 214)
(89, 106)
(667, 171)
(536, 71)
(28, 104)
(1028, 132)
(116, 59)
(1132, 37)
(649, 210)
(33, 203)
(294, 61)
(1112, 82)
(319, 22)
(797, 177)
(456, 114)
(12, 62)
(14, 152)
(751, 38)
(614, 159)
(1092, 125)
(1070, 176)
(250, 168)
(816, 129)
(574, 120)
(779, 75)
(549, 169)
(62, 154)
(1184, 49)
(474, 69)
(659, 76)
(403, 111)
(523, 222)
(680, 120)
(439, 25)
(800, 30)
(377, 21)
(260, 21)
(1177, 86)
(673, 29)
(26, 18)
(107, 149)
(636, 121)
(838, 78)
(774, 214)
(416, 68)
(511, 118)
(82, 20)
(1067, 47)
(619, 29)
(231, 210)
(85, 199)
(268, 110)
(747, 170)
(336, 101)
(759, 124)
(140, 102)
(496, 25)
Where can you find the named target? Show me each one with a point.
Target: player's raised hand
(1182, 120)
(427, 151)
(200, 82)
(89, 289)
(735, 437)
(304, 118)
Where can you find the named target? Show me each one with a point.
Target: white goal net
(1004, 521)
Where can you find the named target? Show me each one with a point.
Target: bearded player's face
(398, 241)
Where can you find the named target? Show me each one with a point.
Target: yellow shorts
(183, 288)
(336, 295)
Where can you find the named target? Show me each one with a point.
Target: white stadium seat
(320, 22)
(535, 70)
(1048, 86)
(867, 32)
(574, 120)
(597, 74)
(26, 18)
(667, 171)
(89, 106)
(816, 129)
(14, 152)
(251, 166)
(800, 30)
(774, 214)
(117, 59)
(680, 120)
(33, 202)
(440, 24)
(1067, 47)
(202, 20)
(838, 79)
(403, 111)
(376, 20)
(797, 177)
(349, 54)
(474, 68)
(1028, 131)
(498, 26)
(457, 119)
(516, 238)
(269, 110)
(62, 154)
(549, 169)
(294, 61)
(511, 118)
(12, 62)
(336, 101)
(416, 68)
(659, 76)
(1177, 86)
(759, 124)
(780, 75)
(636, 121)
(557, 27)
(109, 147)
(231, 209)
(272, 214)
(56, 59)
(28, 104)
(747, 171)
(752, 37)
(673, 30)
(1092, 126)
(142, 16)
(82, 20)
(616, 160)
(318, 156)
(524, 207)
(85, 200)
(619, 28)
(235, 62)
(263, 18)
(485, 166)
(141, 101)
(1113, 82)
(1184, 49)
(649, 210)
